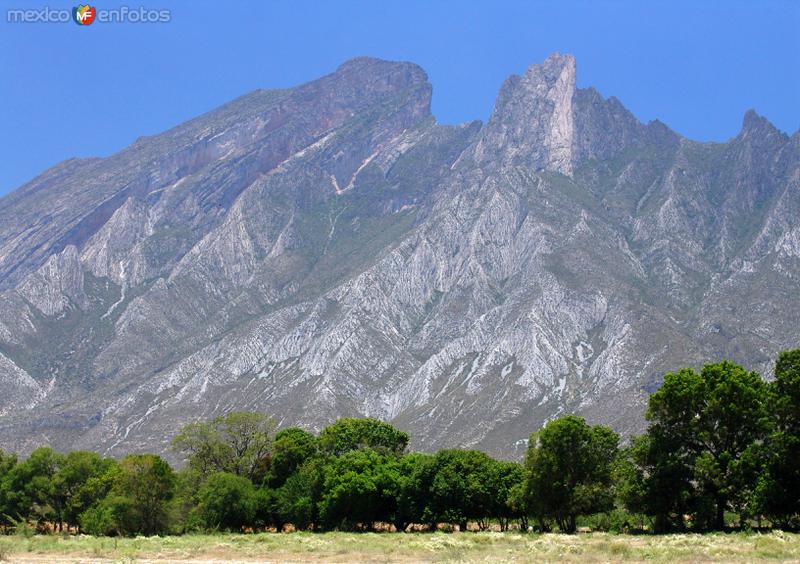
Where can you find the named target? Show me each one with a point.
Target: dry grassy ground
(392, 547)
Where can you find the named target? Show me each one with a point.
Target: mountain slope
(330, 250)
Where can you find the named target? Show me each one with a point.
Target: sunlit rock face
(330, 250)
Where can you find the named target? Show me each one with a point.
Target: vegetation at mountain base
(722, 451)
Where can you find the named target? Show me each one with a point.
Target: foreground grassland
(393, 547)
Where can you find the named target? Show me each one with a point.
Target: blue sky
(68, 90)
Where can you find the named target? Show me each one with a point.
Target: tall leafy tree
(239, 443)
(629, 478)
(185, 502)
(517, 503)
(461, 488)
(82, 479)
(359, 489)
(777, 490)
(141, 493)
(506, 476)
(412, 489)
(657, 471)
(570, 466)
(787, 391)
(297, 500)
(701, 427)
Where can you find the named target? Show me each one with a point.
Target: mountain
(330, 250)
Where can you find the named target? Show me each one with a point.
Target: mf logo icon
(84, 15)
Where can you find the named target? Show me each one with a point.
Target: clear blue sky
(68, 90)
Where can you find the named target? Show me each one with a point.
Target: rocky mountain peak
(376, 77)
(533, 121)
(755, 126)
(377, 67)
(557, 71)
(541, 119)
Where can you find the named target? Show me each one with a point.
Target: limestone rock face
(533, 121)
(20, 391)
(57, 284)
(330, 250)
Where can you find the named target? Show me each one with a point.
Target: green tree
(777, 462)
(82, 479)
(141, 493)
(227, 501)
(29, 488)
(570, 466)
(353, 434)
(787, 391)
(184, 506)
(292, 447)
(412, 489)
(506, 476)
(359, 489)
(461, 487)
(267, 508)
(629, 479)
(239, 443)
(7, 463)
(701, 427)
(517, 503)
(113, 515)
(297, 500)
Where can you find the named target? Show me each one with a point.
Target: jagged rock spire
(533, 120)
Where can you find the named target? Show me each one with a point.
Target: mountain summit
(533, 120)
(330, 250)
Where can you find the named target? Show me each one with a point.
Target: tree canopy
(353, 434)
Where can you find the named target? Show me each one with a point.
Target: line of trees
(719, 441)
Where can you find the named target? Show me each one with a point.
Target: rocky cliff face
(330, 250)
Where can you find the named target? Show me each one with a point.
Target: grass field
(393, 547)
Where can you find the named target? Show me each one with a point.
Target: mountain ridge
(331, 250)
